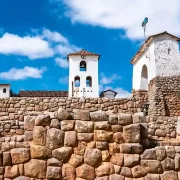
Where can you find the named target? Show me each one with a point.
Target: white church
(158, 56)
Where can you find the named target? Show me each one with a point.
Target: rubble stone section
(86, 146)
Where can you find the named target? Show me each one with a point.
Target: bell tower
(83, 74)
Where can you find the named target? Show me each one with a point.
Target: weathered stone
(42, 152)
(85, 171)
(76, 160)
(102, 178)
(113, 119)
(149, 154)
(55, 138)
(28, 135)
(117, 169)
(117, 159)
(177, 161)
(53, 172)
(84, 115)
(116, 128)
(131, 160)
(80, 149)
(101, 135)
(118, 137)
(20, 155)
(85, 137)
(102, 125)
(43, 120)
(62, 115)
(168, 164)
(102, 145)
(54, 162)
(62, 154)
(11, 172)
(55, 123)
(68, 172)
(84, 126)
(67, 125)
(113, 148)
(7, 159)
(153, 166)
(160, 133)
(98, 116)
(131, 133)
(125, 171)
(1, 170)
(105, 155)
(125, 119)
(169, 175)
(22, 178)
(116, 177)
(160, 153)
(152, 177)
(35, 168)
(170, 151)
(105, 169)
(139, 118)
(139, 171)
(29, 123)
(39, 135)
(92, 156)
(70, 138)
(21, 169)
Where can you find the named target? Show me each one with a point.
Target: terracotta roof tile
(83, 53)
(43, 94)
(148, 42)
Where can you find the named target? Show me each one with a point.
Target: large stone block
(39, 135)
(116, 177)
(68, 172)
(43, 120)
(117, 159)
(98, 116)
(139, 171)
(170, 151)
(131, 148)
(160, 153)
(42, 152)
(67, 125)
(35, 169)
(125, 171)
(55, 138)
(53, 172)
(113, 148)
(80, 149)
(85, 137)
(84, 115)
(118, 137)
(86, 172)
(11, 172)
(101, 135)
(102, 125)
(54, 162)
(149, 154)
(152, 177)
(84, 126)
(105, 169)
(70, 138)
(62, 114)
(169, 175)
(168, 164)
(62, 154)
(20, 155)
(131, 160)
(177, 161)
(7, 159)
(29, 123)
(125, 119)
(76, 160)
(92, 156)
(131, 133)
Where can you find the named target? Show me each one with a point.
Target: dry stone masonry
(85, 145)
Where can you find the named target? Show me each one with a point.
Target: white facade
(161, 59)
(91, 71)
(4, 90)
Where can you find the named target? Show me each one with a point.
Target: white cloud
(64, 80)
(20, 74)
(54, 36)
(63, 63)
(108, 80)
(127, 15)
(32, 47)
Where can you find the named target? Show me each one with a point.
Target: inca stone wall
(164, 96)
(86, 146)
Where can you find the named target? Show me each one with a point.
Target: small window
(4, 90)
(77, 81)
(82, 66)
(88, 81)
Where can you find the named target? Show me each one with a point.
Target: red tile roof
(148, 42)
(83, 53)
(43, 93)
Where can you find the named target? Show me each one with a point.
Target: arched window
(144, 78)
(82, 66)
(77, 81)
(4, 90)
(88, 81)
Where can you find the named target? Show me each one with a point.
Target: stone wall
(164, 96)
(86, 146)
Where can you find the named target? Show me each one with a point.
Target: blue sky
(36, 36)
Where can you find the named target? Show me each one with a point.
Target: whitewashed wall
(91, 70)
(7, 94)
